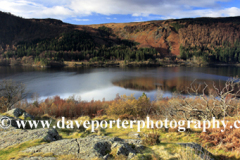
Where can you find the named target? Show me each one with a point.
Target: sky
(119, 11)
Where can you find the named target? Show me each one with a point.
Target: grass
(14, 151)
(180, 137)
(191, 154)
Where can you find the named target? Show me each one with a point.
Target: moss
(14, 151)
(143, 157)
(113, 154)
(8, 115)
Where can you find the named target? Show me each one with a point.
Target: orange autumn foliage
(129, 105)
(69, 108)
(229, 140)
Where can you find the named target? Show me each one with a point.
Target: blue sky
(117, 11)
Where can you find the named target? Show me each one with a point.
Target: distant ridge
(167, 37)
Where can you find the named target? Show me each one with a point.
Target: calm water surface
(99, 83)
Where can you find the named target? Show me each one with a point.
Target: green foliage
(104, 31)
(226, 53)
(71, 41)
(14, 151)
(177, 26)
(80, 45)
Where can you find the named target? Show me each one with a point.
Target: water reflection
(99, 83)
(183, 85)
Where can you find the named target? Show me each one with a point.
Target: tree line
(226, 53)
(79, 46)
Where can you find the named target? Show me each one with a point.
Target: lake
(98, 83)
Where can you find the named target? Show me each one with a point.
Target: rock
(52, 135)
(89, 147)
(134, 135)
(124, 149)
(26, 116)
(16, 112)
(12, 136)
(11, 121)
(137, 144)
(14, 123)
(131, 155)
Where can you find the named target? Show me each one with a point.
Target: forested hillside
(34, 40)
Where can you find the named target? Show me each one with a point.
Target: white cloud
(233, 11)
(63, 9)
(139, 7)
(82, 19)
(29, 9)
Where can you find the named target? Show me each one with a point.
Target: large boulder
(16, 112)
(90, 147)
(12, 136)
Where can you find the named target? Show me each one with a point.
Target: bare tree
(13, 92)
(219, 103)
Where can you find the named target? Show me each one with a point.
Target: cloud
(65, 9)
(82, 19)
(233, 11)
(139, 7)
(30, 9)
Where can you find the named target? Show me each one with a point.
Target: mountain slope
(215, 39)
(167, 36)
(15, 29)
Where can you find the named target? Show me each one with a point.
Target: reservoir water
(98, 83)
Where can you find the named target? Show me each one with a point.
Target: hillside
(212, 39)
(167, 36)
(15, 29)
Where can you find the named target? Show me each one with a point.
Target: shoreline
(70, 64)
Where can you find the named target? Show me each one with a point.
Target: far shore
(121, 63)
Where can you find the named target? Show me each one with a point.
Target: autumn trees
(130, 107)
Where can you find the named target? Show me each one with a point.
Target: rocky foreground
(90, 147)
(82, 148)
(51, 145)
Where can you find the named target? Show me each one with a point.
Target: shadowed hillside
(210, 39)
(15, 29)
